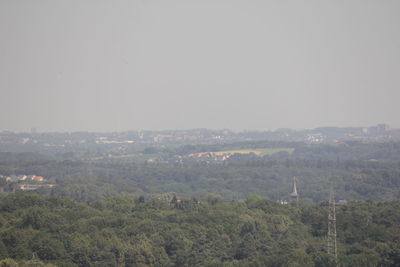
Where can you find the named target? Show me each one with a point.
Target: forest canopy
(126, 231)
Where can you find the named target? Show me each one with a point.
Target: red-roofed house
(39, 178)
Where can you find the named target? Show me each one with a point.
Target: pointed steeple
(294, 195)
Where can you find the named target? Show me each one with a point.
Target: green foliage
(258, 232)
(8, 263)
(356, 171)
(253, 198)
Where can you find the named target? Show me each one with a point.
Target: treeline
(356, 171)
(350, 150)
(88, 181)
(128, 231)
(342, 150)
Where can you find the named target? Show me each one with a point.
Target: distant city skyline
(124, 65)
(36, 130)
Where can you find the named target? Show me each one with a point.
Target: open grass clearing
(258, 151)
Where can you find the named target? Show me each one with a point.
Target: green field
(258, 152)
(126, 156)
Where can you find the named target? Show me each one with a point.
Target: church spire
(294, 195)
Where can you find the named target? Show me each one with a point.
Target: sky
(96, 65)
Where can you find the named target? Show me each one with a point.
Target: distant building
(282, 202)
(379, 129)
(383, 128)
(12, 178)
(31, 177)
(294, 195)
(341, 202)
(38, 178)
(29, 187)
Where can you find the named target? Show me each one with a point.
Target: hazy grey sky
(68, 65)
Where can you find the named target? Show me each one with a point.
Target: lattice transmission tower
(332, 246)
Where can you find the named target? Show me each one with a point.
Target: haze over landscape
(199, 133)
(256, 65)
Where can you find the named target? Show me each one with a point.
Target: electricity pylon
(332, 247)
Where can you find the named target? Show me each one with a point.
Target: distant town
(145, 144)
(330, 135)
(23, 182)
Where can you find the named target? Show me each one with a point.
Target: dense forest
(161, 207)
(87, 181)
(126, 231)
